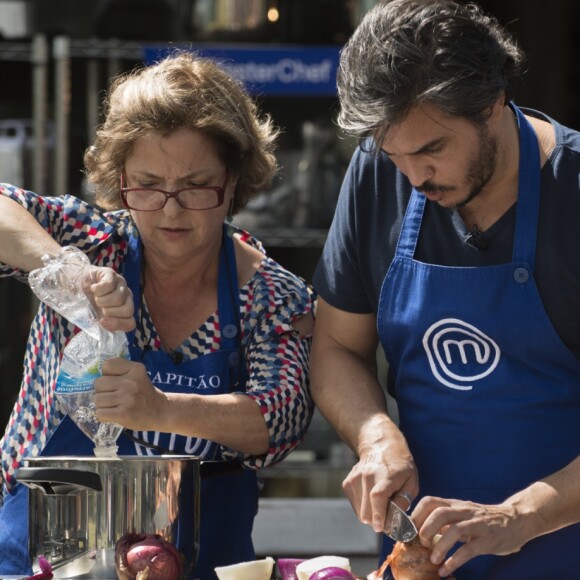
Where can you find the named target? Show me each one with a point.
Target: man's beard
(479, 170)
(482, 167)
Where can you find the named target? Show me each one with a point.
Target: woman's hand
(125, 395)
(482, 529)
(109, 294)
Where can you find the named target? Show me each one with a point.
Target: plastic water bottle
(81, 364)
(59, 284)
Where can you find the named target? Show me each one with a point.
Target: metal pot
(79, 507)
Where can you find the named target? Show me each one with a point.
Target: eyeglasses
(150, 199)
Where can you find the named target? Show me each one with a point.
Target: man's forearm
(348, 394)
(551, 503)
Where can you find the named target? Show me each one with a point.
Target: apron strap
(228, 301)
(528, 203)
(407, 243)
(229, 310)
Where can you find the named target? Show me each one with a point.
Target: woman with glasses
(220, 337)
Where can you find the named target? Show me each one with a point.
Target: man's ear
(497, 108)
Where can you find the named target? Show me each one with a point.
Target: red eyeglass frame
(219, 189)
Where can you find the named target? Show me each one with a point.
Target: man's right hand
(385, 469)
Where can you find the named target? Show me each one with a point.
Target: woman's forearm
(232, 420)
(23, 241)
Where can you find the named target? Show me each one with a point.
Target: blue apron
(228, 503)
(488, 395)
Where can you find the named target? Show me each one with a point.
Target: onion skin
(146, 557)
(410, 561)
(332, 573)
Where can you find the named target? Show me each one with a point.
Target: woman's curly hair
(183, 90)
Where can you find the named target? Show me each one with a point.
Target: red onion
(287, 568)
(45, 570)
(332, 573)
(146, 556)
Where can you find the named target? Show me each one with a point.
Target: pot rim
(128, 458)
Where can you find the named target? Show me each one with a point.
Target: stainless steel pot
(80, 506)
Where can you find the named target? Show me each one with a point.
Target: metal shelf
(52, 58)
(96, 48)
(16, 51)
(291, 237)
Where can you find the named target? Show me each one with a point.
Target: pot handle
(58, 480)
(209, 469)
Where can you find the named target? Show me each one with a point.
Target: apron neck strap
(528, 201)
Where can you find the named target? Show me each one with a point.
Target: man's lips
(433, 195)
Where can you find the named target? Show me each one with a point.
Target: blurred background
(58, 56)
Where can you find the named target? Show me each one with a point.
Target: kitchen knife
(398, 525)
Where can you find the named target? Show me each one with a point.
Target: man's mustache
(433, 188)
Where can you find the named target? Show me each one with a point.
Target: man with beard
(455, 245)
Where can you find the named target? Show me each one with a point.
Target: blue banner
(271, 70)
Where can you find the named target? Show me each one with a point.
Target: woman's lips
(174, 232)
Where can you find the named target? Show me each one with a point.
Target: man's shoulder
(564, 136)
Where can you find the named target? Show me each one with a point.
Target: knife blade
(398, 525)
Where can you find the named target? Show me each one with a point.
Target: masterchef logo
(287, 71)
(459, 354)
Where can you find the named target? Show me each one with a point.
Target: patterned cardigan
(277, 357)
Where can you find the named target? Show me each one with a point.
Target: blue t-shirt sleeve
(337, 277)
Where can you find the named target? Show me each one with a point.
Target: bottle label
(67, 384)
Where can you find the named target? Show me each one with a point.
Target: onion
(306, 569)
(146, 557)
(287, 568)
(45, 570)
(410, 561)
(252, 570)
(332, 573)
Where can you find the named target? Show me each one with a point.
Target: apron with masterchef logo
(488, 395)
(228, 503)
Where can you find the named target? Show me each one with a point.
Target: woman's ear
(230, 215)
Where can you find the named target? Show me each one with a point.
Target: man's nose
(417, 172)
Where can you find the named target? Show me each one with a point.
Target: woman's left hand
(113, 300)
(125, 395)
(482, 529)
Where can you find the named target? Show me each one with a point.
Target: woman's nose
(172, 206)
